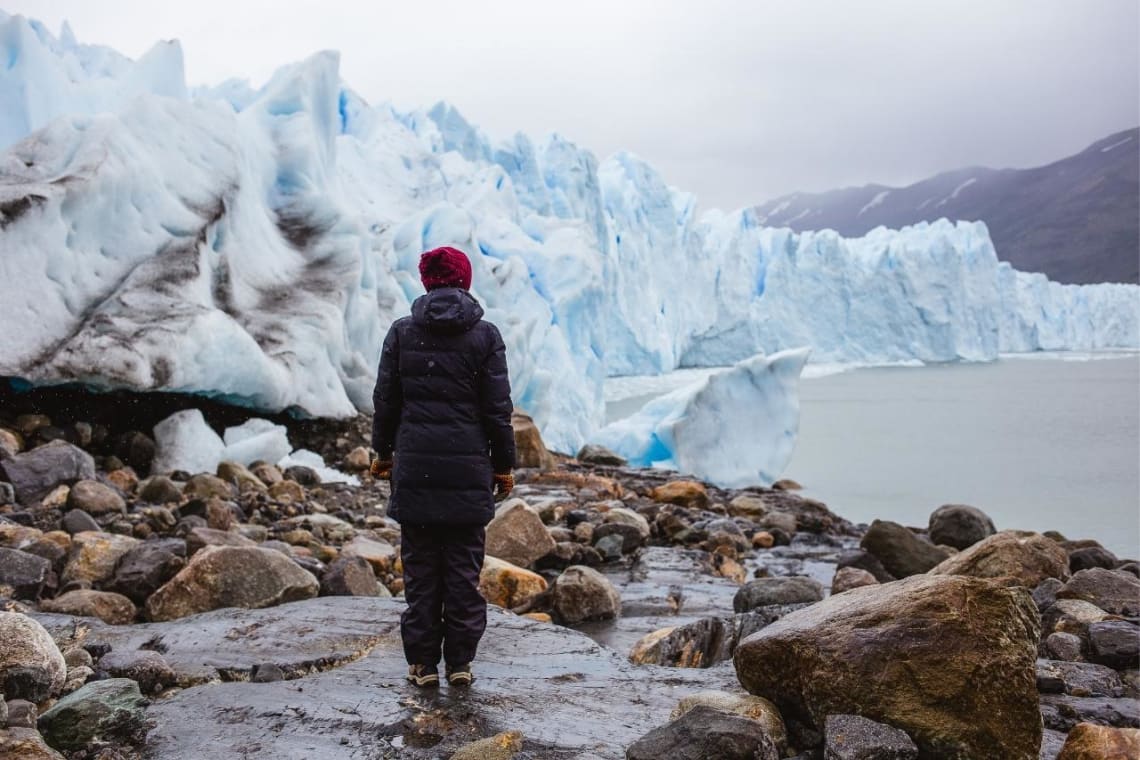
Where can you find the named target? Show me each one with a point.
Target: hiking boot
(460, 675)
(423, 675)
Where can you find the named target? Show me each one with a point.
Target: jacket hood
(447, 310)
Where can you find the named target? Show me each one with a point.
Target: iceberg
(735, 428)
(253, 244)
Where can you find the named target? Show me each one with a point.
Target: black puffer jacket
(443, 405)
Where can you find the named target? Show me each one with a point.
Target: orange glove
(504, 484)
(381, 469)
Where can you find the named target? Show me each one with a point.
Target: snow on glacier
(735, 428)
(254, 244)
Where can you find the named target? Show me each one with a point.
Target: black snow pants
(441, 585)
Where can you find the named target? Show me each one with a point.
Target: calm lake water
(1039, 444)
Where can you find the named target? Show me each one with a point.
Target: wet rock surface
(704, 732)
(853, 737)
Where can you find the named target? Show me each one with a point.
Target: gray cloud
(735, 101)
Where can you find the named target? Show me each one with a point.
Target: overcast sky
(737, 101)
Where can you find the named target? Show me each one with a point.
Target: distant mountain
(1076, 219)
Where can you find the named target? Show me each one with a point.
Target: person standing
(442, 435)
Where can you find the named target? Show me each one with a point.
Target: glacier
(735, 428)
(253, 244)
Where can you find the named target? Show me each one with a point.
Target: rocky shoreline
(636, 613)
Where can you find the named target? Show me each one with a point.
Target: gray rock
(1061, 712)
(109, 710)
(705, 642)
(517, 535)
(765, 592)
(853, 737)
(305, 476)
(31, 666)
(22, 713)
(147, 668)
(1115, 643)
(7, 493)
(1079, 679)
(1112, 591)
(582, 594)
(267, 673)
(567, 553)
(610, 547)
(1064, 646)
(594, 454)
(959, 526)
(78, 521)
(35, 473)
(1051, 743)
(1092, 556)
(77, 657)
(631, 536)
(1046, 593)
(3, 712)
(146, 567)
(902, 553)
(25, 573)
(704, 733)
(349, 575)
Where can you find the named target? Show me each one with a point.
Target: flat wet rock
(569, 696)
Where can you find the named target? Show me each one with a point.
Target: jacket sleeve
(387, 397)
(495, 405)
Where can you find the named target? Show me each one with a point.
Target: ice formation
(254, 244)
(735, 428)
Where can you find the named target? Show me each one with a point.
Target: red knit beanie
(445, 268)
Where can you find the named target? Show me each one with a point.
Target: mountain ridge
(1075, 219)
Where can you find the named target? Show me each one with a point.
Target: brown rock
(948, 659)
(124, 479)
(502, 746)
(28, 424)
(25, 744)
(599, 487)
(748, 505)
(95, 499)
(508, 585)
(267, 473)
(11, 441)
(762, 539)
(204, 486)
(1092, 742)
(56, 498)
(529, 448)
(111, 608)
(786, 484)
(517, 534)
(687, 493)
(240, 476)
(231, 576)
(94, 555)
(31, 665)
(358, 460)
(218, 514)
(287, 492)
(900, 551)
(847, 578)
(1028, 558)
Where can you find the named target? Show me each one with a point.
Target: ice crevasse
(254, 244)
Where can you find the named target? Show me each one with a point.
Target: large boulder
(1092, 742)
(900, 551)
(231, 576)
(508, 585)
(517, 534)
(949, 660)
(1111, 590)
(94, 555)
(581, 594)
(31, 665)
(24, 573)
(764, 592)
(704, 733)
(34, 474)
(108, 710)
(381, 555)
(111, 608)
(959, 526)
(1027, 558)
(530, 451)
